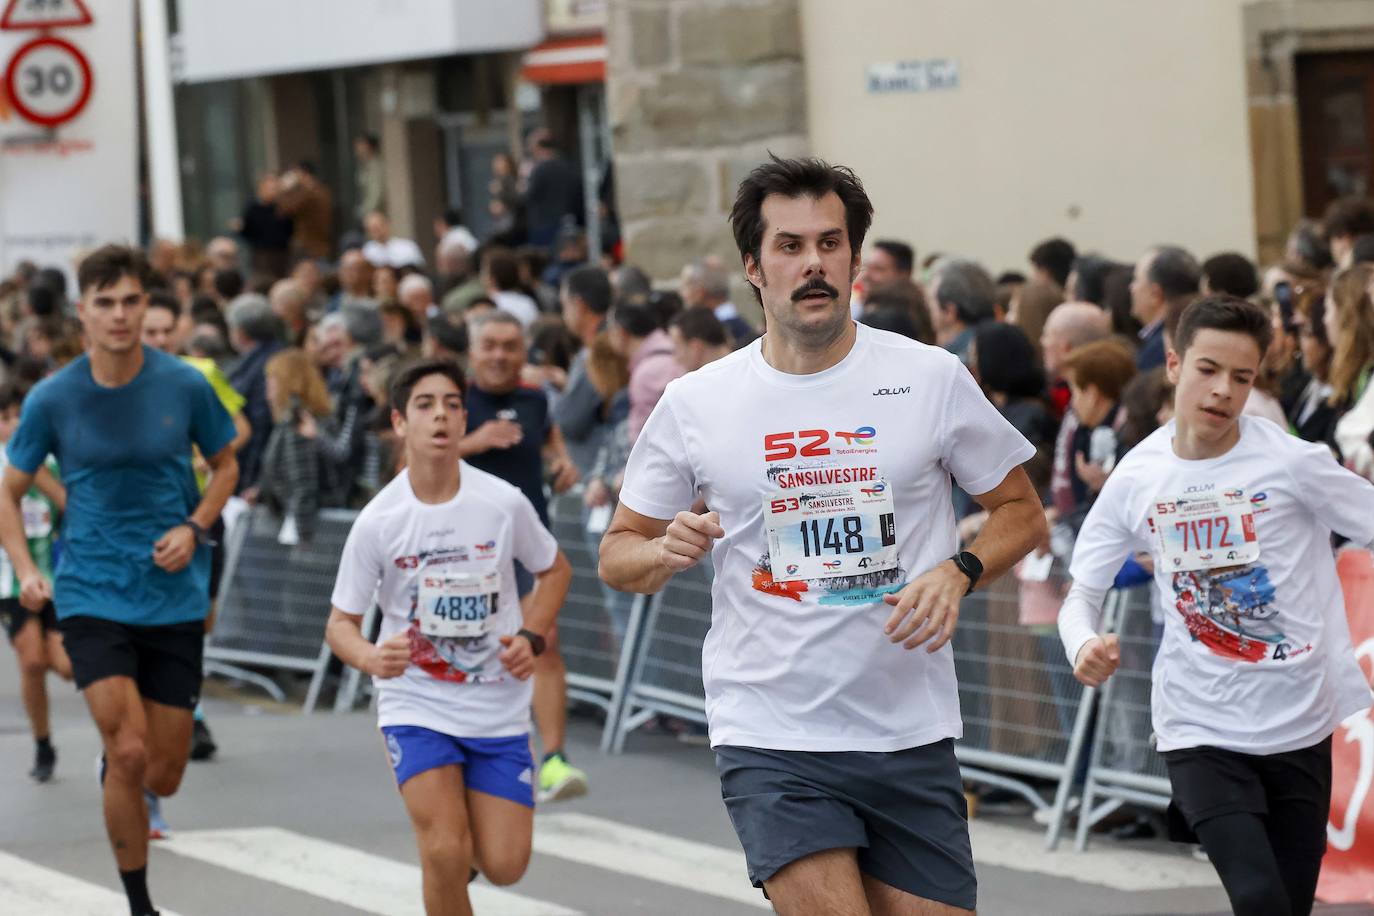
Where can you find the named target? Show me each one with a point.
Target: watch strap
(970, 566)
(536, 641)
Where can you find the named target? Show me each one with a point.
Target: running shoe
(158, 829)
(203, 745)
(44, 762)
(560, 780)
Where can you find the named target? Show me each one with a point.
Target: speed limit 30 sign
(48, 81)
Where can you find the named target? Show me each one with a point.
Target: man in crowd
(355, 281)
(1052, 260)
(371, 176)
(648, 349)
(222, 253)
(121, 421)
(305, 199)
(963, 295)
(265, 230)
(1165, 277)
(459, 283)
(255, 334)
(416, 294)
(580, 410)
(889, 261)
(706, 284)
(289, 302)
(698, 338)
(1231, 273)
(553, 193)
(1346, 219)
(386, 250)
(512, 437)
(501, 273)
(844, 801)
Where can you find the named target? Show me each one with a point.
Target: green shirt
(40, 525)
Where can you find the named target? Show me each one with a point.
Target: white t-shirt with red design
(454, 685)
(833, 489)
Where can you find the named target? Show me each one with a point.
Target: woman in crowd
(297, 480)
(1349, 324)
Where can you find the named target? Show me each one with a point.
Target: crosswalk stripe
(38, 891)
(646, 854)
(1120, 869)
(338, 873)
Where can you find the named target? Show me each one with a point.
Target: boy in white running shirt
(1256, 667)
(452, 664)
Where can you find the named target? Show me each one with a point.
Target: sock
(44, 745)
(199, 714)
(558, 753)
(136, 889)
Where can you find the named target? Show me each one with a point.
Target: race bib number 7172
(1206, 532)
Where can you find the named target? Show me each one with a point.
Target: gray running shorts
(903, 811)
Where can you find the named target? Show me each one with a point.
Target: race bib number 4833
(458, 605)
(831, 531)
(1206, 532)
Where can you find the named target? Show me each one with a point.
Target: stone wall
(699, 91)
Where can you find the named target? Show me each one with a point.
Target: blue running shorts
(497, 766)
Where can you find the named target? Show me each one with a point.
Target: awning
(563, 61)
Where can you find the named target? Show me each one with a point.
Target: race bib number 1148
(832, 531)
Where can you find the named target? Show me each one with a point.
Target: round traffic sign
(49, 81)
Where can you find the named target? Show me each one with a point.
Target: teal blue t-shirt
(125, 455)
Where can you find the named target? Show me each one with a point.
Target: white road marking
(1103, 865)
(339, 873)
(698, 867)
(35, 890)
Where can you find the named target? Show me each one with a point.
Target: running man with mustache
(825, 451)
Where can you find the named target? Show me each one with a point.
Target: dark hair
(907, 297)
(308, 167)
(228, 283)
(1348, 216)
(11, 395)
(1107, 365)
(371, 140)
(1092, 270)
(1010, 278)
(1142, 398)
(452, 216)
(1055, 257)
(161, 299)
(1006, 361)
(590, 284)
(412, 324)
(108, 264)
(1175, 270)
(1234, 274)
(1116, 299)
(665, 304)
(902, 254)
(54, 279)
(450, 336)
(552, 344)
(700, 324)
(503, 267)
(1224, 313)
(409, 376)
(43, 302)
(1362, 251)
(887, 318)
(634, 319)
(1309, 245)
(794, 178)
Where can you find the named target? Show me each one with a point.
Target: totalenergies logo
(874, 490)
(1259, 498)
(864, 435)
(1234, 494)
(832, 564)
(488, 547)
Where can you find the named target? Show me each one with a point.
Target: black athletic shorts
(14, 615)
(903, 811)
(1209, 782)
(164, 661)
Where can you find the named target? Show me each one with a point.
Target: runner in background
(437, 547)
(159, 332)
(34, 635)
(1256, 668)
(131, 585)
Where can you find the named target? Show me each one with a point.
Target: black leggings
(1268, 863)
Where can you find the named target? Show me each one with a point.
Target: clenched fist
(1098, 660)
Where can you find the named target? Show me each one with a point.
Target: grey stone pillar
(699, 91)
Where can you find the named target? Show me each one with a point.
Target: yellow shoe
(560, 780)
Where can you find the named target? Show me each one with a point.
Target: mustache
(814, 285)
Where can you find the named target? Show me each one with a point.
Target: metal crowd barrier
(273, 600)
(1123, 766)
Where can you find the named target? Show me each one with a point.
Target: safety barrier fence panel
(1123, 765)
(273, 600)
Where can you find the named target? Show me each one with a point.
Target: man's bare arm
(640, 554)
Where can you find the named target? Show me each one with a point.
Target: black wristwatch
(535, 640)
(970, 566)
(202, 536)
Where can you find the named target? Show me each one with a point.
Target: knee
(33, 664)
(505, 868)
(126, 758)
(442, 849)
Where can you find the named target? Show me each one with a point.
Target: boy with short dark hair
(1256, 667)
(437, 547)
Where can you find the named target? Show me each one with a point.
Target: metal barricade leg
(631, 718)
(629, 645)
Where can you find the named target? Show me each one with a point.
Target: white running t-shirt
(851, 469)
(454, 685)
(1256, 656)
